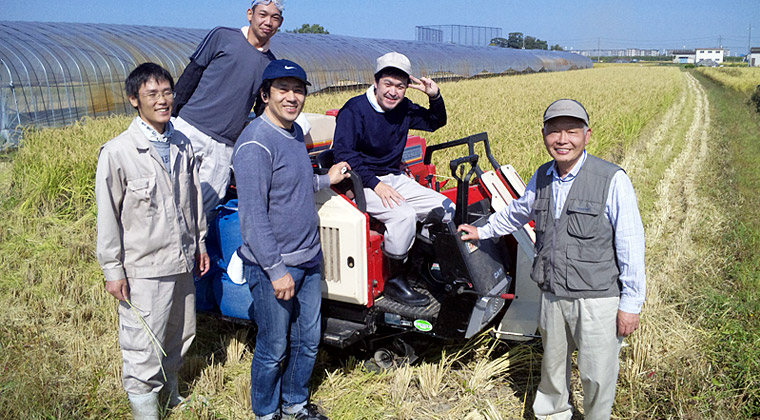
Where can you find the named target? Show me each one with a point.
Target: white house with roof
(714, 54)
(754, 57)
(683, 56)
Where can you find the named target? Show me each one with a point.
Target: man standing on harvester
(370, 134)
(217, 89)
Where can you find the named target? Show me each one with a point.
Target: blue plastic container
(215, 291)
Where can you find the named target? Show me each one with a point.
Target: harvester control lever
(505, 296)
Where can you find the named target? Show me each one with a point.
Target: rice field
(620, 101)
(742, 79)
(59, 355)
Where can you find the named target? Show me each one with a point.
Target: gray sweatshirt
(275, 186)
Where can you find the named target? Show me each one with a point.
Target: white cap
(395, 60)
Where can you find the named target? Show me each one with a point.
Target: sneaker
(308, 412)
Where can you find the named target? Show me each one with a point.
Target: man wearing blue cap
(589, 262)
(217, 89)
(281, 253)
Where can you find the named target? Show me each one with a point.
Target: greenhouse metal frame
(53, 74)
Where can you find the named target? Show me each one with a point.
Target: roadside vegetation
(730, 303)
(690, 151)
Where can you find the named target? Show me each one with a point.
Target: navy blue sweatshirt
(373, 142)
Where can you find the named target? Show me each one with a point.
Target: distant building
(707, 63)
(705, 54)
(458, 34)
(684, 56)
(754, 57)
(622, 52)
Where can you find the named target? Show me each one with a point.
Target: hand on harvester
(470, 232)
(338, 172)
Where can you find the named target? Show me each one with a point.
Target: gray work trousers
(590, 326)
(166, 307)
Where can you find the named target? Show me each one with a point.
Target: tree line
(519, 41)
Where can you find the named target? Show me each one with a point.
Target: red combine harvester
(472, 286)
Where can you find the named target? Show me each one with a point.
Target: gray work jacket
(150, 222)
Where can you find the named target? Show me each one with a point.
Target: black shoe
(309, 412)
(398, 289)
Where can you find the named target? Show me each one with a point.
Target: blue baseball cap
(284, 68)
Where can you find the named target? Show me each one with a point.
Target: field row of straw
(742, 79)
(59, 356)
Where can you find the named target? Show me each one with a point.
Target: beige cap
(395, 60)
(566, 108)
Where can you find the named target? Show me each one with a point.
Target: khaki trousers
(590, 326)
(215, 160)
(167, 308)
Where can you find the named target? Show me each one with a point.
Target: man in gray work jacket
(589, 262)
(151, 235)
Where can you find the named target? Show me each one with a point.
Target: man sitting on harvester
(370, 134)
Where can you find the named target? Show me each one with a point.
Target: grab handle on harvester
(470, 141)
(358, 188)
(325, 160)
(463, 184)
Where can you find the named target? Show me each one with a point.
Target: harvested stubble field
(59, 356)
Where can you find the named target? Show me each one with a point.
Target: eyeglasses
(156, 96)
(277, 3)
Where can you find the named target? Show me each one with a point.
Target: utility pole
(749, 41)
(598, 53)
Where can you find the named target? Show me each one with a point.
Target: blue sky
(581, 24)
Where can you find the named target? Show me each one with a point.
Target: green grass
(729, 306)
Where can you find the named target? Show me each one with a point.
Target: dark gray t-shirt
(227, 89)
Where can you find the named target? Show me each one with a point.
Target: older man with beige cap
(589, 262)
(370, 135)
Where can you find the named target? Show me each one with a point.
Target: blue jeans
(287, 339)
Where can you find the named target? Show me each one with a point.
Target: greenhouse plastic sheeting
(52, 74)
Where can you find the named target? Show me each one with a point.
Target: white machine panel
(343, 235)
(520, 322)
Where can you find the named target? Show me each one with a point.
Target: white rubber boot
(172, 390)
(145, 406)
